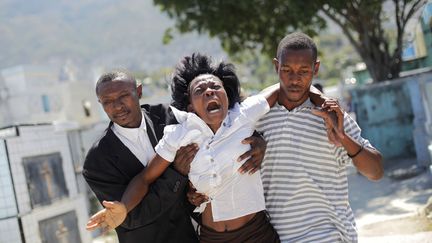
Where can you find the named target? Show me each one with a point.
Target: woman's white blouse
(214, 170)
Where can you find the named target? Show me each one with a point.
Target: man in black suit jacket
(164, 214)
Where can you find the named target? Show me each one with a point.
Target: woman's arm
(271, 93)
(138, 187)
(316, 96)
(115, 212)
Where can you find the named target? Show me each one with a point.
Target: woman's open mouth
(213, 106)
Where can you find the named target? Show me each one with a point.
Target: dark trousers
(257, 230)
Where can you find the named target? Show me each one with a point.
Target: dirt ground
(401, 226)
(392, 210)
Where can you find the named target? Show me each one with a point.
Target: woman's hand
(108, 218)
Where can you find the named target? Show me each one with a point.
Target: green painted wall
(384, 113)
(396, 116)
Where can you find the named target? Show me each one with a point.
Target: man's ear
(316, 67)
(139, 91)
(276, 64)
(190, 108)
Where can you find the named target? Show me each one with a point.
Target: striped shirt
(304, 176)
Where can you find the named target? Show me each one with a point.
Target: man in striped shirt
(304, 175)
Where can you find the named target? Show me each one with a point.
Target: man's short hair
(195, 65)
(118, 75)
(297, 41)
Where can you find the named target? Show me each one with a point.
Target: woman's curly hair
(193, 66)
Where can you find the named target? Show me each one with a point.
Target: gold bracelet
(354, 155)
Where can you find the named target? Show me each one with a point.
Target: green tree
(250, 24)
(337, 55)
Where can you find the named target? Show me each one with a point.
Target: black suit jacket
(163, 215)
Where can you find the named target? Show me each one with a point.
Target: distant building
(48, 121)
(45, 93)
(4, 107)
(417, 55)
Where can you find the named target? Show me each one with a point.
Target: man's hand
(108, 218)
(333, 117)
(184, 157)
(256, 154)
(194, 197)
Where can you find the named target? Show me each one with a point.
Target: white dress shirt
(214, 170)
(136, 140)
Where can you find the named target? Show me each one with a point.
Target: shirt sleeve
(353, 130)
(254, 107)
(169, 144)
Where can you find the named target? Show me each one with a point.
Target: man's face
(209, 100)
(120, 101)
(296, 70)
